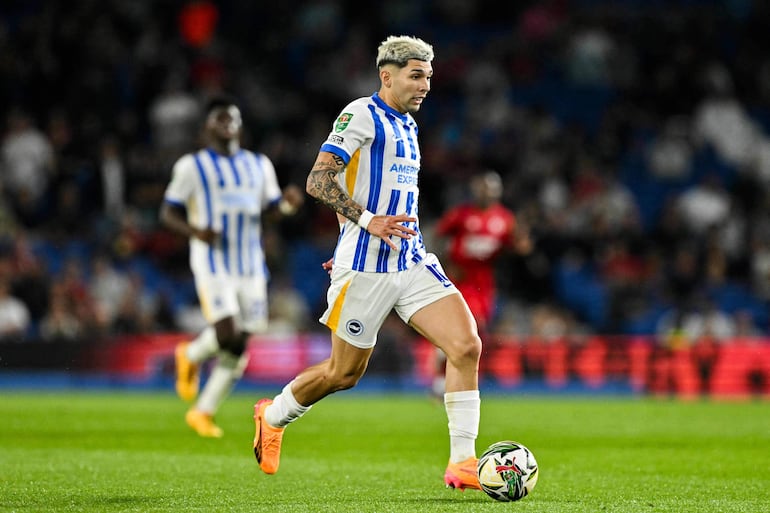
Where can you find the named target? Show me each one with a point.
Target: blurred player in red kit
(477, 232)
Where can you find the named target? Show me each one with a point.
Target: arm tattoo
(322, 184)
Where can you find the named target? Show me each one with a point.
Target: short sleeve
(271, 192)
(449, 222)
(182, 185)
(350, 130)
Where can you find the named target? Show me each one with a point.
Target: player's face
(410, 85)
(225, 122)
(487, 189)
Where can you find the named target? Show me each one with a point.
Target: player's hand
(386, 226)
(207, 235)
(523, 246)
(294, 196)
(327, 266)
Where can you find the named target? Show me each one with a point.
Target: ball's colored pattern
(507, 471)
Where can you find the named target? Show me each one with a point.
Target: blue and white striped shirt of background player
(379, 147)
(227, 194)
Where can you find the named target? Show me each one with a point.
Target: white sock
(220, 383)
(463, 409)
(204, 346)
(438, 385)
(285, 408)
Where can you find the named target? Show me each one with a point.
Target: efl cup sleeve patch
(342, 122)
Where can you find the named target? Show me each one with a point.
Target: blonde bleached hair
(399, 49)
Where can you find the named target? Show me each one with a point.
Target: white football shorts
(359, 302)
(242, 297)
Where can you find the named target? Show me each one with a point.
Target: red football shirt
(476, 237)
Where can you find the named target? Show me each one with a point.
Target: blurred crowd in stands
(632, 135)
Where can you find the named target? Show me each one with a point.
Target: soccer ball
(507, 471)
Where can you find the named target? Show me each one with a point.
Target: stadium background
(634, 136)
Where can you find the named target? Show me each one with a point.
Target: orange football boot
(203, 424)
(462, 475)
(187, 378)
(267, 439)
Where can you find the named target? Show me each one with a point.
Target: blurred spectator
(590, 52)
(74, 286)
(683, 280)
(174, 114)
(624, 271)
(68, 218)
(289, 313)
(710, 322)
(14, 314)
(715, 263)
(669, 230)
(732, 236)
(704, 205)
(670, 153)
(550, 323)
(554, 197)
(60, 323)
(113, 179)
(27, 164)
(722, 121)
(136, 311)
(8, 224)
(745, 327)
(614, 211)
(109, 289)
(686, 326)
(586, 188)
(486, 89)
(29, 280)
(760, 266)
(127, 239)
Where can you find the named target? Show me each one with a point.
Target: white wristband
(365, 219)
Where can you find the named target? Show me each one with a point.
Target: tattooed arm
(322, 184)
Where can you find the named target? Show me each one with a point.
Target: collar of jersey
(215, 153)
(387, 108)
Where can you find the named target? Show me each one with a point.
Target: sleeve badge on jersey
(342, 122)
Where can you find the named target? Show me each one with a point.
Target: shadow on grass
(80, 502)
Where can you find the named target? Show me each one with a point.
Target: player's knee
(472, 348)
(466, 349)
(344, 380)
(235, 344)
(347, 382)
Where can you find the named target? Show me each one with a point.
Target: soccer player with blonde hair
(367, 171)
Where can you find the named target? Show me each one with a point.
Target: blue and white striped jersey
(382, 157)
(227, 194)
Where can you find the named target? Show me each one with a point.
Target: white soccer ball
(507, 471)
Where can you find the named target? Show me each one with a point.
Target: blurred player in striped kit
(367, 171)
(217, 197)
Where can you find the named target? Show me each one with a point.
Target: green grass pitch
(131, 452)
